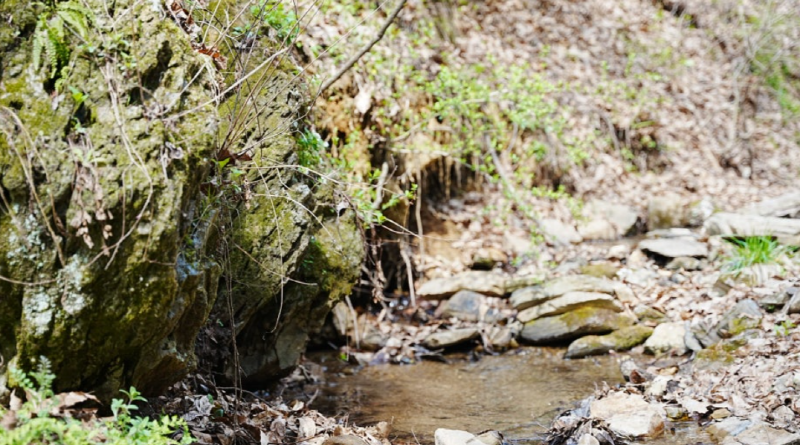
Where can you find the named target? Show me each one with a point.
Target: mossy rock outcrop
(114, 225)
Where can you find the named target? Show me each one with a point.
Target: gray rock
(588, 439)
(638, 277)
(685, 263)
(675, 232)
(759, 433)
(646, 313)
(469, 306)
(665, 211)
(780, 299)
(597, 229)
(744, 315)
(629, 415)
(785, 205)
(600, 270)
(700, 211)
(446, 339)
(452, 437)
(344, 439)
(534, 295)
(734, 224)
(676, 247)
(793, 307)
(732, 426)
(568, 302)
(622, 217)
(574, 324)
(621, 340)
(488, 258)
(559, 232)
(753, 276)
(486, 283)
(667, 337)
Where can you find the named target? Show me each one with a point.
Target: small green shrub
(270, 15)
(36, 425)
(753, 250)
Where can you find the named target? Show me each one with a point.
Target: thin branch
(364, 50)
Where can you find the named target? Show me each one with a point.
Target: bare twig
(363, 50)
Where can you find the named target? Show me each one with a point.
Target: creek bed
(518, 394)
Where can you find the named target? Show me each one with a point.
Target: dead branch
(363, 50)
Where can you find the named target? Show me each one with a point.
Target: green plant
(753, 250)
(51, 45)
(310, 148)
(270, 15)
(35, 423)
(782, 329)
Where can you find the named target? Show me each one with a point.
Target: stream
(517, 394)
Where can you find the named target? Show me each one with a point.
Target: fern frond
(39, 39)
(77, 21)
(51, 44)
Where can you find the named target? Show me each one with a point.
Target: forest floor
(652, 116)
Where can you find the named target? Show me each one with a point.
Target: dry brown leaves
(226, 417)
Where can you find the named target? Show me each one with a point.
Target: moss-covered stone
(113, 233)
(574, 324)
(621, 340)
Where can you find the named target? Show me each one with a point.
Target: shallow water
(516, 394)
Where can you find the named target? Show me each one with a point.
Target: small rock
(373, 339)
(684, 263)
(761, 434)
(752, 276)
(487, 258)
(445, 339)
(629, 415)
(620, 340)
(502, 337)
(574, 324)
(674, 248)
(486, 283)
(733, 224)
(665, 211)
(452, 437)
(719, 414)
(648, 314)
(598, 229)
(588, 439)
(469, 306)
(675, 413)
(344, 439)
(780, 299)
(638, 277)
(793, 307)
(622, 218)
(783, 416)
(534, 295)
(658, 387)
(600, 270)
(732, 426)
(559, 232)
(785, 205)
(700, 211)
(568, 302)
(618, 252)
(672, 233)
(487, 438)
(743, 316)
(667, 337)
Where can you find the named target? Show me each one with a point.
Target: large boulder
(116, 222)
(574, 324)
